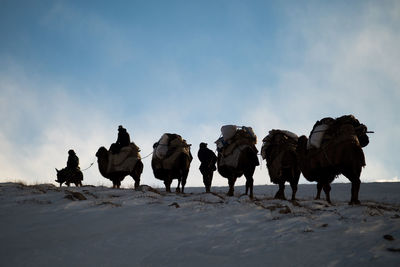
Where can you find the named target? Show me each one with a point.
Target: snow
(43, 225)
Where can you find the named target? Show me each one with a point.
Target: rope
(91, 164)
(147, 156)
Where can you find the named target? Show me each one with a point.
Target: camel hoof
(230, 194)
(280, 196)
(178, 190)
(355, 202)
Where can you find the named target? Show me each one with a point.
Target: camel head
(302, 143)
(362, 136)
(102, 152)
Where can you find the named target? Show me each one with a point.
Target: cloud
(340, 69)
(332, 64)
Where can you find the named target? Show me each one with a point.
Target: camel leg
(327, 190)
(249, 185)
(293, 185)
(184, 183)
(137, 183)
(294, 182)
(231, 182)
(178, 188)
(355, 188)
(167, 183)
(281, 192)
(319, 189)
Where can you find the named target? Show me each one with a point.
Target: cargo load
(168, 149)
(233, 140)
(125, 160)
(339, 129)
(275, 145)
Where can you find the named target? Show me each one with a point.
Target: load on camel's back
(116, 166)
(237, 155)
(279, 150)
(334, 147)
(171, 160)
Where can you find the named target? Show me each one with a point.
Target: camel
(117, 177)
(171, 160)
(179, 170)
(342, 155)
(69, 176)
(282, 163)
(247, 162)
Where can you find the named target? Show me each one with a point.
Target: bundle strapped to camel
(338, 130)
(168, 149)
(274, 147)
(125, 160)
(233, 140)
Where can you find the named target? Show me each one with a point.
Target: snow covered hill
(44, 225)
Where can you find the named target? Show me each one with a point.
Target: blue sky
(72, 71)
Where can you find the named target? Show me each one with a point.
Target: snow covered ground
(44, 225)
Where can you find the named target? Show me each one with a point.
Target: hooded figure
(73, 160)
(122, 140)
(207, 167)
(123, 137)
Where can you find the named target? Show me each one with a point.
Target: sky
(72, 71)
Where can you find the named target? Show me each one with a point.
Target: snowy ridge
(44, 225)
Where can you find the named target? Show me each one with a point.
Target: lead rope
(147, 155)
(91, 164)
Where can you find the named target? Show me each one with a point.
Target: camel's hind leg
(248, 173)
(327, 190)
(178, 188)
(136, 173)
(294, 182)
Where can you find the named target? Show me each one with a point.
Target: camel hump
(125, 160)
(341, 129)
(242, 136)
(281, 139)
(167, 150)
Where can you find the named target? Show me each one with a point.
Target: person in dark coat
(73, 160)
(122, 140)
(207, 166)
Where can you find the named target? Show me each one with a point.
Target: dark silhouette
(247, 163)
(118, 176)
(71, 173)
(207, 166)
(122, 140)
(279, 150)
(340, 153)
(179, 153)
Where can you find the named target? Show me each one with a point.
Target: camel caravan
(333, 147)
